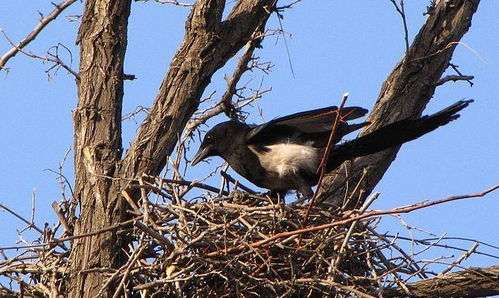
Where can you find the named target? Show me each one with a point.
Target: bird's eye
(208, 139)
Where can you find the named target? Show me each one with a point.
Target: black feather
(302, 127)
(393, 134)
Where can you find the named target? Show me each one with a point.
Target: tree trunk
(98, 149)
(472, 282)
(403, 95)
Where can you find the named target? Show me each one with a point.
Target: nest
(231, 244)
(246, 245)
(242, 244)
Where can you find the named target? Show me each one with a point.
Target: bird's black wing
(309, 125)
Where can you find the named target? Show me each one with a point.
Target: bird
(284, 154)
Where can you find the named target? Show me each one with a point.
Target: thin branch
(456, 69)
(31, 36)
(241, 68)
(30, 224)
(133, 114)
(93, 233)
(454, 78)
(62, 219)
(401, 11)
(234, 181)
(50, 58)
(62, 179)
(162, 240)
(322, 166)
(341, 252)
(281, 8)
(225, 104)
(174, 2)
(446, 246)
(463, 257)
(195, 184)
(279, 18)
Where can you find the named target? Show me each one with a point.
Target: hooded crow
(284, 154)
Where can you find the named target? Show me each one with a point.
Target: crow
(284, 154)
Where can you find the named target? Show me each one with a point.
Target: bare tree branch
(456, 69)
(50, 57)
(43, 22)
(225, 104)
(401, 11)
(174, 2)
(453, 78)
(472, 282)
(405, 93)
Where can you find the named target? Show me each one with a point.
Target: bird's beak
(202, 154)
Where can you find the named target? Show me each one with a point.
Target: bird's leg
(303, 188)
(276, 196)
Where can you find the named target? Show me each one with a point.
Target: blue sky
(334, 46)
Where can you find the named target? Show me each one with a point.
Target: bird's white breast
(289, 158)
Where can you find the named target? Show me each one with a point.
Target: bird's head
(220, 139)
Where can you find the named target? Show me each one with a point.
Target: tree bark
(473, 282)
(208, 44)
(403, 95)
(97, 141)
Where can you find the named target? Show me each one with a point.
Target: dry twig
(16, 48)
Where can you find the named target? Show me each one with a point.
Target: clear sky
(334, 46)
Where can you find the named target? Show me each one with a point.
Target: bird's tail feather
(393, 134)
